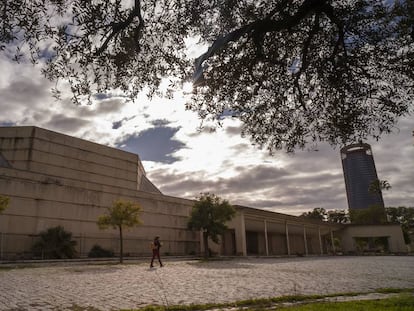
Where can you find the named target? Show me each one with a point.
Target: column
(80, 245)
(201, 242)
(320, 240)
(1, 245)
(266, 240)
(287, 238)
(332, 241)
(240, 233)
(243, 234)
(305, 240)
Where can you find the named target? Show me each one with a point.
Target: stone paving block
(112, 287)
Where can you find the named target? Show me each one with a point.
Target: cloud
(160, 122)
(22, 93)
(117, 124)
(233, 130)
(63, 123)
(393, 155)
(19, 88)
(155, 144)
(288, 183)
(108, 106)
(183, 161)
(260, 186)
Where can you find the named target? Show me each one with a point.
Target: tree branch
(118, 27)
(329, 12)
(304, 59)
(259, 28)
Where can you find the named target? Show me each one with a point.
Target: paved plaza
(134, 285)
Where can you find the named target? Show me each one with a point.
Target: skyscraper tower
(359, 173)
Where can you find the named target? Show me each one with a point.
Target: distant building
(359, 173)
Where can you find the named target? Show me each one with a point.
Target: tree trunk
(121, 245)
(205, 240)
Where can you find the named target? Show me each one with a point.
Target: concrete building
(357, 238)
(268, 233)
(359, 172)
(54, 179)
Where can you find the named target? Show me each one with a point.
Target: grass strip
(405, 300)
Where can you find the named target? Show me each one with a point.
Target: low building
(54, 179)
(267, 233)
(385, 238)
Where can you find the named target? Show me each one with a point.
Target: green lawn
(404, 301)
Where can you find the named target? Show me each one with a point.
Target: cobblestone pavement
(114, 287)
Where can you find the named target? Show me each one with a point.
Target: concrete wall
(65, 158)
(392, 232)
(35, 206)
(53, 179)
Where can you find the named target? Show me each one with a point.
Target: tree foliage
(338, 216)
(293, 71)
(4, 203)
(377, 186)
(210, 214)
(55, 243)
(122, 214)
(405, 217)
(318, 213)
(98, 251)
(373, 215)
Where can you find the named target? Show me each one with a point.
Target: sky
(183, 161)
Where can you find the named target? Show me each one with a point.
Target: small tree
(55, 243)
(4, 203)
(122, 214)
(209, 214)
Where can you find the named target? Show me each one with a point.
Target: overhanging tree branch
(329, 12)
(116, 28)
(304, 60)
(258, 28)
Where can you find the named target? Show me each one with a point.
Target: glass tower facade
(359, 173)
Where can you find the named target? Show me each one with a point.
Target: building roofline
(69, 136)
(287, 216)
(361, 146)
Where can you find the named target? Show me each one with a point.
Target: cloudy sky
(183, 161)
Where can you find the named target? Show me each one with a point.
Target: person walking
(156, 245)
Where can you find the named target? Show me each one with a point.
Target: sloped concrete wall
(63, 157)
(54, 179)
(36, 206)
